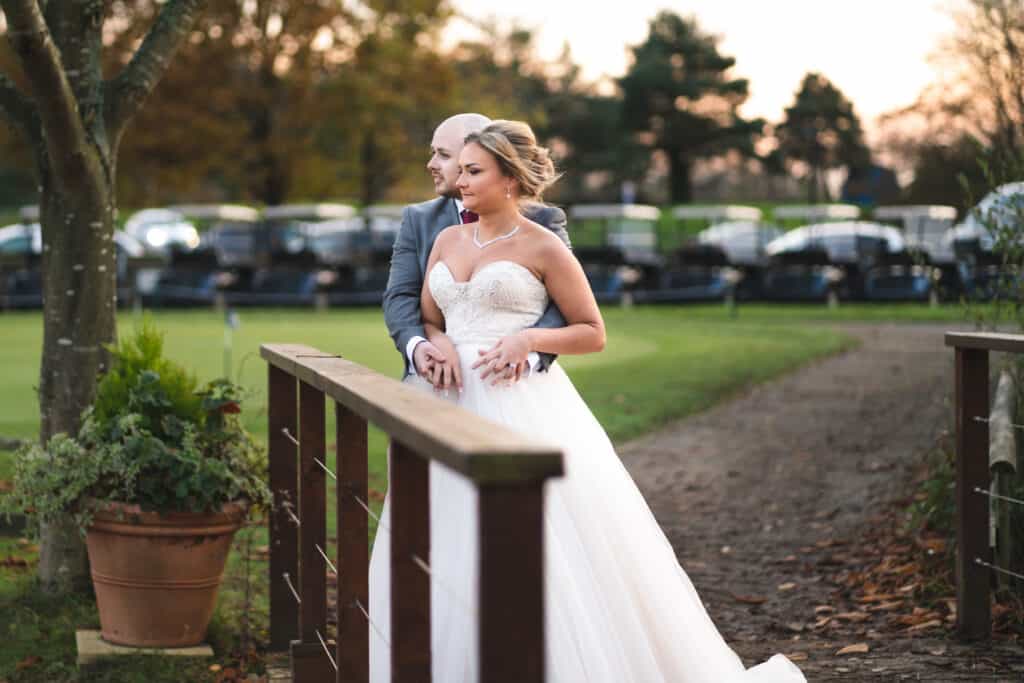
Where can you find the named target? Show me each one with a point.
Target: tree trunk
(79, 300)
(74, 121)
(680, 189)
(370, 190)
(814, 181)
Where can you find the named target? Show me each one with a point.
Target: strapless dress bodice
(501, 298)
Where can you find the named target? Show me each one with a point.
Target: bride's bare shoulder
(450, 235)
(549, 252)
(546, 241)
(451, 232)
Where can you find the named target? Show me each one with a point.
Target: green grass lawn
(661, 363)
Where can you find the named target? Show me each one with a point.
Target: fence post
(410, 586)
(353, 649)
(973, 612)
(284, 535)
(511, 623)
(309, 661)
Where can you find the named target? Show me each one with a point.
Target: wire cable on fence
(998, 570)
(419, 562)
(366, 507)
(986, 420)
(295, 520)
(1008, 499)
(327, 650)
(326, 559)
(288, 580)
(326, 469)
(366, 614)
(284, 430)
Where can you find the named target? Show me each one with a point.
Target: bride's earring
(508, 192)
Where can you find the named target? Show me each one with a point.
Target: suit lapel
(453, 216)
(444, 215)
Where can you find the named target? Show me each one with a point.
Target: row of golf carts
(225, 254)
(809, 253)
(330, 254)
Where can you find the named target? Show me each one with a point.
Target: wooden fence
(974, 561)
(507, 469)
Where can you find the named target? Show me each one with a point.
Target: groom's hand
(424, 357)
(444, 371)
(506, 360)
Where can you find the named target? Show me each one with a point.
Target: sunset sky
(876, 51)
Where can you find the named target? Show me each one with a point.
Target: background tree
(73, 120)
(500, 74)
(16, 182)
(381, 105)
(822, 132)
(986, 53)
(236, 115)
(678, 98)
(974, 111)
(274, 100)
(934, 152)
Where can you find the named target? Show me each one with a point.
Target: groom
(421, 224)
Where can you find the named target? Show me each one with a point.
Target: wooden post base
(310, 663)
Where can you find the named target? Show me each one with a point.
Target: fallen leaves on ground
(931, 623)
(749, 599)
(28, 662)
(897, 580)
(14, 562)
(853, 616)
(855, 649)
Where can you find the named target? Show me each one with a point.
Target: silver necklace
(478, 243)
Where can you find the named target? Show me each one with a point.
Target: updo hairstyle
(519, 156)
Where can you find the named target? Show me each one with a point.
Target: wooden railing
(974, 561)
(508, 471)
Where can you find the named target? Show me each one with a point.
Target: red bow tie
(468, 216)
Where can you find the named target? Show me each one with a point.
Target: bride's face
(483, 186)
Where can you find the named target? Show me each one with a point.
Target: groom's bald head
(445, 146)
(463, 124)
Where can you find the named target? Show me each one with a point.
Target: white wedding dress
(619, 608)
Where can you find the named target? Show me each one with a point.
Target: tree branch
(47, 81)
(129, 90)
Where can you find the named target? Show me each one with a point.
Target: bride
(618, 607)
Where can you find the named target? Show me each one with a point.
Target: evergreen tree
(822, 132)
(680, 99)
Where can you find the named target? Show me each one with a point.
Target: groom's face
(444, 159)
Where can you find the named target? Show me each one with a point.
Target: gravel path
(752, 493)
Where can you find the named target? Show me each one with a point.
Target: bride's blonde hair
(519, 156)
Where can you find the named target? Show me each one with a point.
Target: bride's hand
(448, 371)
(506, 360)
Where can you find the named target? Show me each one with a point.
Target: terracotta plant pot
(156, 575)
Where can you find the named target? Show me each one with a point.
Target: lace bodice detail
(502, 298)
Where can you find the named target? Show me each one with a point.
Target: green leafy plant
(935, 507)
(153, 437)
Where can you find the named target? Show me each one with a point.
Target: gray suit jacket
(421, 224)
